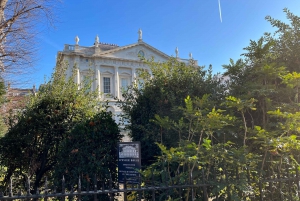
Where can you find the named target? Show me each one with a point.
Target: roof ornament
(140, 34)
(96, 41)
(190, 55)
(177, 52)
(76, 40)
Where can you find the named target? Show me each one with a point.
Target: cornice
(134, 45)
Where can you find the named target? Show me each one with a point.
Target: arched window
(141, 53)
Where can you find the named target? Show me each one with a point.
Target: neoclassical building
(114, 67)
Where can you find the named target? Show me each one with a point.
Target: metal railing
(282, 186)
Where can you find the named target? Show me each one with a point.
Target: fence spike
(10, 188)
(191, 183)
(63, 185)
(204, 186)
(46, 189)
(63, 190)
(46, 186)
(95, 187)
(139, 187)
(79, 185)
(297, 179)
(28, 186)
(110, 182)
(125, 188)
(95, 183)
(79, 189)
(110, 188)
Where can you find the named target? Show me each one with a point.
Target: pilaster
(78, 77)
(117, 85)
(133, 75)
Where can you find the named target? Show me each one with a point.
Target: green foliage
(161, 95)
(2, 90)
(2, 100)
(234, 142)
(31, 145)
(192, 164)
(89, 152)
(287, 43)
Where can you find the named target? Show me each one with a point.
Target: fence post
(270, 184)
(227, 183)
(191, 183)
(63, 190)
(46, 189)
(95, 187)
(215, 178)
(280, 185)
(260, 190)
(297, 180)
(153, 184)
(28, 187)
(111, 196)
(125, 188)
(289, 182)
(139, 188)
(79, 189)
(10, 188)
(204, 186)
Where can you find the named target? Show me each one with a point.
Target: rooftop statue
(177, 52)
(96, 41)
(140, 34)
(76, 40)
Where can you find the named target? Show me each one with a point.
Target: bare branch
(18, 34)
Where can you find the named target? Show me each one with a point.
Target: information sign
(129, 162)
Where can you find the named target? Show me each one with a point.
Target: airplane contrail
(220, 11)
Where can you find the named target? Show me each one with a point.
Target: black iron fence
(280, 186)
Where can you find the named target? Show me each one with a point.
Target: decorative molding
(107, 72)
(125, 74)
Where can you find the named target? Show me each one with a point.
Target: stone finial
(140, 34)
(177, 52)
(76, 40)
(96, 41)
(190, 55)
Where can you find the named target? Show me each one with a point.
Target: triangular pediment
(132, 51)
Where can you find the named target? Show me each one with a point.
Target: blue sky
(192, 26)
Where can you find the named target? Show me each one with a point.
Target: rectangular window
(106, 85)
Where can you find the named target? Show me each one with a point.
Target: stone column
(98, 81)
(133, 75)
(78, 77)
(117, 87)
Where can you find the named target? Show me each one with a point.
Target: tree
(172, 82)
(18, 33)
(241, 140)
(89, 152)
(30, 148)
(2, 100)
(286, 40)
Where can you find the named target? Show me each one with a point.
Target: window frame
(111, 76)
(104, 84)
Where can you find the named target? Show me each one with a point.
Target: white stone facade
(113, 67)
